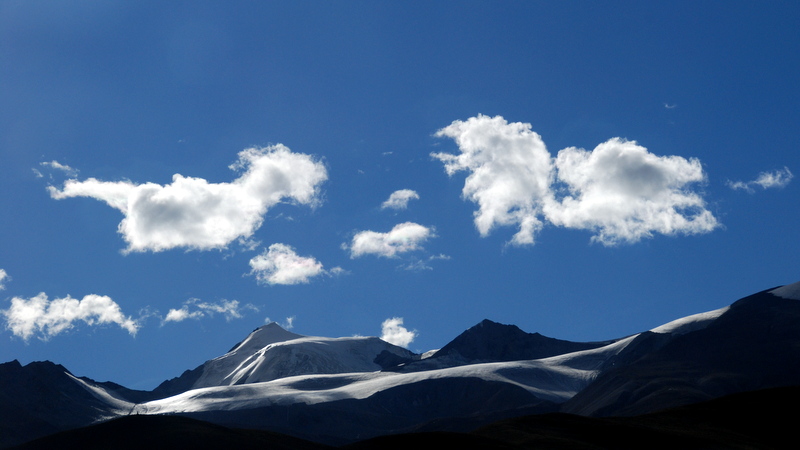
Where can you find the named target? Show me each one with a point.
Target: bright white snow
(557, 383)
(118, 406)
(690, 323)
(270, 352)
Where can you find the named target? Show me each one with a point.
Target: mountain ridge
(270, 352)
(745, 420)
(338, 390)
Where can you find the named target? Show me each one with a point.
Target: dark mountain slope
(752, 420)
(492, 341)
(754, 345)
(178, 384)
(41, 398)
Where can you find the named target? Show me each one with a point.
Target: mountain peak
(264, 335)
(492, 341)
(491, 323)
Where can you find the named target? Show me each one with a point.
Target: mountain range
(352, 391)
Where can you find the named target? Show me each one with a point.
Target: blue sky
(585, 170)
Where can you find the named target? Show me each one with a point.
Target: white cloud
(619, 190)
(404, 237)
(510, 172)
(179, 315)
(38, 315)
(196, 309)
(778, 178)
(195, 214)
(393, 332)
(399, 199)
(625, 193)
(3, 279)
(281, 265)
(774, 179)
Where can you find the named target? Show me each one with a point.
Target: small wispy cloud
(280, 264)
(179, 315)
(55, 165)
(46, 318)
(393, 332)
(423, 264)
(4, 278)
(48, 167)
(399, 199)
(196, 309)
(765, 180)
(287, 324)
(404, 237)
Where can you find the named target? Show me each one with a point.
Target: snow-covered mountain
(337, 390)
(270, 353)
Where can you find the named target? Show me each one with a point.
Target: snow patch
(429, 353)
(790, 291)
(690, 323)
(117, 404)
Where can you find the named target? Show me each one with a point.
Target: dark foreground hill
(167, 432)
(751, 420)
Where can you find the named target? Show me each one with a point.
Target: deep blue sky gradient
(143, 90)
